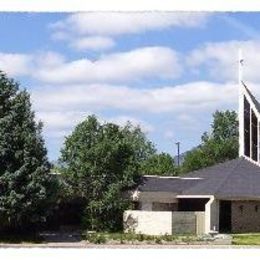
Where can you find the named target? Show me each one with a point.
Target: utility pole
(178, 153)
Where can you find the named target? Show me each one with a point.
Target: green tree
(159, 164)
(24, 180)
(101, 162)
(219, 145)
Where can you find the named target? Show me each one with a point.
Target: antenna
(240, 66)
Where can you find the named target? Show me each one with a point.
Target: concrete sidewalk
(85, 245)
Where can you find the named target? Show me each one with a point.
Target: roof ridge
(212, 166)
(254, 100)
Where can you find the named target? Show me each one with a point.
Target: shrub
(158, 240)
(96, 238)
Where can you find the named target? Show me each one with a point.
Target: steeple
(240, 103)
(249, 118)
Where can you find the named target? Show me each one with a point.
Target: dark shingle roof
(231, 179)
(164, 184)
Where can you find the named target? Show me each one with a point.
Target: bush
(168, 238)
(158, 240)
(124, 238)
(95, 238)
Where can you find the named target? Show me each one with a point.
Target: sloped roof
(164, 184)
(256, 103)
(238, 178)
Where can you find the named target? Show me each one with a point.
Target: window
(254, 135)
(246, 127)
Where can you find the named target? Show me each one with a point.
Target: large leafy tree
(159, 164)
(219, 145)
(24, 180)
(101, 162)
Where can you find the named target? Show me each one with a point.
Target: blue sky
(167, 72)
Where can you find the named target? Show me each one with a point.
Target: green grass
(246, 239)
(20, 238)
(130, 238)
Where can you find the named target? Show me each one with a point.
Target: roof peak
(237, 178)
(254, 100)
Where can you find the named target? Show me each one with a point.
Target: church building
(224, 198)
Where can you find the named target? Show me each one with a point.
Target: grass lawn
(246, 239)
(20, 238)
(130, 238)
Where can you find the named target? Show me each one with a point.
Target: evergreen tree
(25, 183)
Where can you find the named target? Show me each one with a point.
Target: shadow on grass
(61, 236)
(18, 238)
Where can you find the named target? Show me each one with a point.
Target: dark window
(256, 208)
(196, 204)
(241, 207)
(258, 142)
(254, 135)
(246, 127)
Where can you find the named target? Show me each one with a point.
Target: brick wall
(245, 216)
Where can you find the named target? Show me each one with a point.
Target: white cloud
(94, 30)
(94, 43)
(15, 64)
(59, 124)
(191, 97)
(160, 62)
(122, 121)
(62, 107)
(47, 60)
(169, 134)
(134, 65)
(116, 23)
(220, 60)
(18, 64)
(61, 120)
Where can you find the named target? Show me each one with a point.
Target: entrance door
(225, 216)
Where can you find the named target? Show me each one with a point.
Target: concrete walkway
(85, 245)
(69, 239)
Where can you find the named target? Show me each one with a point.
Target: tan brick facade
(164, 222)
(245, 216)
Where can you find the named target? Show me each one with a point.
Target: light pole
(178, 153)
